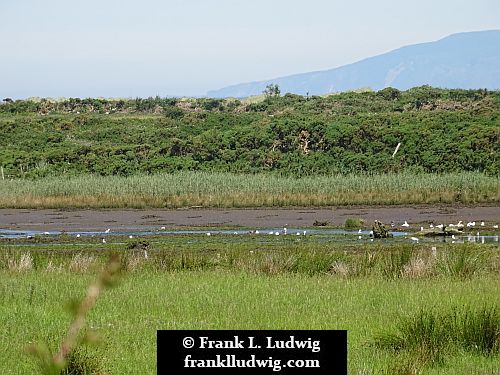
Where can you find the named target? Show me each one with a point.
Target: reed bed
(210, 189)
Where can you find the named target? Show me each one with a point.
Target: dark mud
(122, 220)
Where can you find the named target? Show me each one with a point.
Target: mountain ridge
(462, 60)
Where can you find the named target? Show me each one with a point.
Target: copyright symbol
(188, 342)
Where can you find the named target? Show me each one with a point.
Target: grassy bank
(128, 316)
(374, 292)
(235, 190)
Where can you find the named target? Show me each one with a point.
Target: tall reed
(209, 189)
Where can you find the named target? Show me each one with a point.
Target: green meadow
(383, 294)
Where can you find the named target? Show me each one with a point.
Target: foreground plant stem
(71, 339)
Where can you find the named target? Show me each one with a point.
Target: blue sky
(113, 48)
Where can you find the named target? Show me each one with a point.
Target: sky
(128, 49)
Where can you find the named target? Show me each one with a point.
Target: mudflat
(124, 219)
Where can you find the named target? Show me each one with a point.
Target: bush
(353, 223)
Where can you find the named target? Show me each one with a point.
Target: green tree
(272, 90)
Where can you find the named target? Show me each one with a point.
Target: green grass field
(210, 189)
(276, 286)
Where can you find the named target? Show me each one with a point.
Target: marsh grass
(461, 262)
(81, 262)
(83, 362)
(418, 267)
(429, 336)
(477, 331)
(215, 189)
(25, 263)
(280, 256)
(396, 262)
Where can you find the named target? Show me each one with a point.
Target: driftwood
(380, 231)
(440, 232)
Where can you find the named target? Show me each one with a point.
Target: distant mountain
(465, 60)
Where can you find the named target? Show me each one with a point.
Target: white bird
(256, 232)
(440, 226)
(284, 230)
(271, 233)
(46, 233)
(482, 223)
(452, 236)
(130, 236)
(235, 233)
(297, 234)
(107, 230)
(471, 224)
(431, 226)
(209, 234)
(359, 231)
(145, 254)
(414, 239)
(162, 228)
(405, 224)
(421, 229)
(78, 235)
(304, 233)
(277, 233)
(359, 237)
(103, 240)
(495, 226)
(460, 224)
(451, 225)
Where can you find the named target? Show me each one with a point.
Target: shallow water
(257, 235)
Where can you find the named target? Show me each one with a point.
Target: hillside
(439, 131)
(466, 60)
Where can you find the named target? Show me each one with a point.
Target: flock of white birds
(284, 231)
